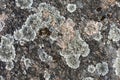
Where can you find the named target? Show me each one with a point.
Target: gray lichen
(72, 61)
(7, 50)
(28, 33)
(114, 33)
(9, 65)
(102, 68)
(116, 65)
(71, 7)
(91, 68)
(24, 4)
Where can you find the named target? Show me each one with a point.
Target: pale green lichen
(27, 62)
(28, 33)
(18, 35)
(9, 65)
(71, 7)
(88, 78)
(7, 50)
(1, 78)
(116, 65)
(44, 56)
(114, 33)
(77, 46)
(102, 68)
(72, 61)
(34, 21)
(24, 4)
(91, 68)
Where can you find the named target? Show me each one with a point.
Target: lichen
(91, 68)
(9, 65)
(114, 33)
(44, 56)
(24, 4)
(7, 50)
(72, 61)
(27, 62)
(88, 78)
(18, 35)
(76, 46)
(71, 7)
(28, 33)
(1, 78)
(116, 65)
(102, 68)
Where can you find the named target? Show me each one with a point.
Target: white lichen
(46, 75)
(114, 33)
(76, 46)
(2, 25)
(24, 4)
(7, 50)
(34, 21)
(88, 78)
(1, 78)
(27, 62)
(44, 56)
(116, 65)
(18, 35)
(28, 33)
(72, 61)
(91, 68)
(92, 27)
(102, 68)
(71, 7)
(9, 65)
(98, 37)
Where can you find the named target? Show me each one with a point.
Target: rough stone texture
(106, 12)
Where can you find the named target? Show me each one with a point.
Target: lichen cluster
(116, 64)
(24, 4)
(74, 41)
(7, 50)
